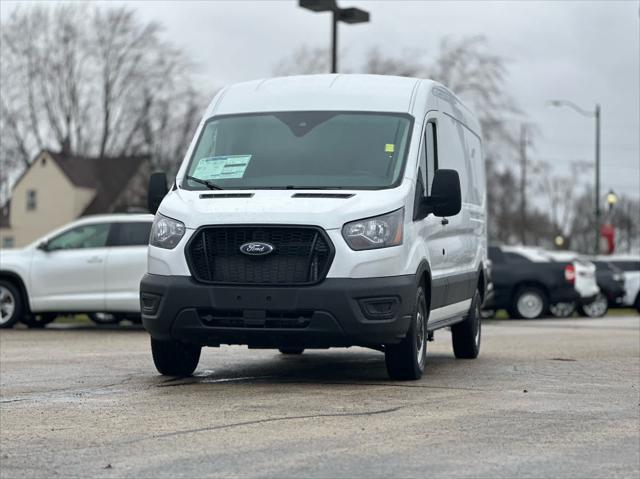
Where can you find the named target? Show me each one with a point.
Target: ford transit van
(321, 211)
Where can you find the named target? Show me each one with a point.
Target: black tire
(291, 351)
(466, 335)
(11, 304)
(487, 313)
(516, 310)
(596, 308)
(39, 321)
(173, 358)
(562, 310)
(406, 360)
(637, 303)
(105, 318)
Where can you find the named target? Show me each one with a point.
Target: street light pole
(523, 183)
(346, 15)
(334, 42)
(595, 114)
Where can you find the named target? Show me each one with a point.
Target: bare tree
(91, 81)
(559, 192)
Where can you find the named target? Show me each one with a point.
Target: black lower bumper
(336, 312)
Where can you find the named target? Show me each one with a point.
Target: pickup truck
(527, 282)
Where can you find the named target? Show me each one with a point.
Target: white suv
(321, 211)
(92, 265)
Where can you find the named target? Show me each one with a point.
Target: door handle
(444, 221)
(94, 259)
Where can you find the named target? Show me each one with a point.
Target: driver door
(68, 273)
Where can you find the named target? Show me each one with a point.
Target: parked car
(611, 283)
(585, 283)
(528, 281)
(321, 211)
(93, 265)
(630, 266)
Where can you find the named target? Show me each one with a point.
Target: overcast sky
(587, 52)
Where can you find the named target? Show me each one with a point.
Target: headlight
(166, 232)
(378, 232)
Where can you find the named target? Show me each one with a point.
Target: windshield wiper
(207, 183)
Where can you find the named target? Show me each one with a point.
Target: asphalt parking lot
(547, 398)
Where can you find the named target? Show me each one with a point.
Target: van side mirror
(43, 246)
(445, 198)
(157, 191)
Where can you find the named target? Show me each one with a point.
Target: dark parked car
(526, 281)
(611, 282)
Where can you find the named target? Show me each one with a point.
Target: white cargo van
(321, 211)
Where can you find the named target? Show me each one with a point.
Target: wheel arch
(529, 283)
(423, 277)
(18, 282)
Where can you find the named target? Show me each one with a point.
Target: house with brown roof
(58, 188)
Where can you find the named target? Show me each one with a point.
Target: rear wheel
(466, 335)
(291, 351)
(596, 308)
(562, 310)
(173, 358)
(105, 318)
(11, 305)
(529, 302)
(37, 321)
(406, 360)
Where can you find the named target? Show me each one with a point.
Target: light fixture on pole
(612, 199)
(346, 15)
(591, 114)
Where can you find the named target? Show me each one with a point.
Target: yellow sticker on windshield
(389, 148)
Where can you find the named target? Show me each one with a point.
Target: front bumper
(336, 312)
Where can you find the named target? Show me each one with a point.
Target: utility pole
(597, 117)
(523, 184)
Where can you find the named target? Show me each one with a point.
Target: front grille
(302, 255)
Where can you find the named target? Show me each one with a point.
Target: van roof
(352, 92)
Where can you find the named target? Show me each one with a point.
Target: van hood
(329, 209)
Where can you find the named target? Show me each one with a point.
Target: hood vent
(207, 196)
(323, 195)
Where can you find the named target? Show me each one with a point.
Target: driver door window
(84, 236)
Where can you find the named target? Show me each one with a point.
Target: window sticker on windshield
(222, 167)
(389, 148)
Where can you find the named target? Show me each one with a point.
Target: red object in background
(608, 232)
(570, 273)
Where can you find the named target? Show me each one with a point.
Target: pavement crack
(262, 421)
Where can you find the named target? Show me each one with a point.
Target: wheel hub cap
(7, 305)
(530, 305)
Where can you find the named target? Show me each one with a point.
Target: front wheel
(406, 360)
(10, 304)
(466, 335)
(596, 308)
(173, 358)
(38, 321)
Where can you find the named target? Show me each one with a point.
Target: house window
(7, 242)
(32, 200)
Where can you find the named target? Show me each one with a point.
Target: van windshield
(301, 150)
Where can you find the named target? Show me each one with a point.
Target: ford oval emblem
(257, 248)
